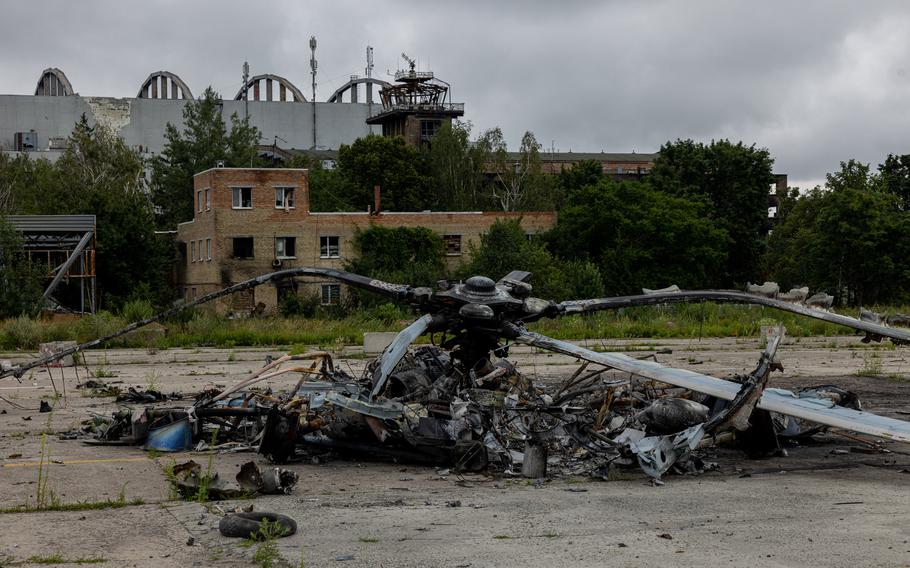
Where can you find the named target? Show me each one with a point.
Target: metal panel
(52, 223)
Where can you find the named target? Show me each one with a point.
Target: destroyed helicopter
(459, 401)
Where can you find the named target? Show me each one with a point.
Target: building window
(328, 247)
(452, 244)
(208, 249)
(243, 198)
(428, 129)
(285, 247)
(208, 199)
(243, 247)
(199, 200)
(194, 292)
(284, 198)
(193, 249)
(331, 294)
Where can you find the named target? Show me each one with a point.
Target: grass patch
(502, 537)
(78, 506)
(872, 365)
(369, 539)
(208, 330)
(265, 542)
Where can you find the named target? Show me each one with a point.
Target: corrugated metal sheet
(52, 223)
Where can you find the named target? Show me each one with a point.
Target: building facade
(251, 221)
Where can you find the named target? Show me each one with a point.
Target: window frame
(445, 244)
(193, 250)
(208, 248)
(199, 201)
(235, 191)
(208, 198)
(285, 189)
(329, 287)
(234, 248)
(328, 247)
(286, 256)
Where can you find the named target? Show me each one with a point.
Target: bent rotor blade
(776, 400)
(729, 296)
(392, 354)
(394, 291)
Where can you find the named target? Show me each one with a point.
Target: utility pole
(313, 72)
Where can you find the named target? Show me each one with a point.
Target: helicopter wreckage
(458, 401)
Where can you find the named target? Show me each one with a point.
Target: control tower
(415, 106)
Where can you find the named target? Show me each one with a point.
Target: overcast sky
(814, 82)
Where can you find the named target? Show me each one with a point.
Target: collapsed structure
(460, 401)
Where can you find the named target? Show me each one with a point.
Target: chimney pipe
(376, 199)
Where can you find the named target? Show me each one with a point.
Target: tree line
(698, 220)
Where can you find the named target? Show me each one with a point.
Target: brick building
(250, 221)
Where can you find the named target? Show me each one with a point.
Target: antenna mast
(246, 99)
(313, 72)
(369, 69)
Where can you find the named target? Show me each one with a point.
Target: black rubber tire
(244, 525)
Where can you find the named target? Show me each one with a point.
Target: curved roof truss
(287, 92)
(352, 86)
(164, 85)
(54, 83)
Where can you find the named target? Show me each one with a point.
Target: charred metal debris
(461, 403)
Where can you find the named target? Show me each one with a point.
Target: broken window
(452, 245)
(284, 198)
(328, 247)
(243, 247)
(331, 294)
(285, 247)
(243, 198)
(208, 249)
(208, 199)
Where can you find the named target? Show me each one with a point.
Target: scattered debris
(189, 479)
(460, 404)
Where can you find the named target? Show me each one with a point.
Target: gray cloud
(814, 82)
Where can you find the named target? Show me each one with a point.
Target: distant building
(250, 221)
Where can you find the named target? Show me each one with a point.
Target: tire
(245, 525)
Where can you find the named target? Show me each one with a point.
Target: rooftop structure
(416, 106)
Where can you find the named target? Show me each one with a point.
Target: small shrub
(138, 309)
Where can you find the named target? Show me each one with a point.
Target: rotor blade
(775, 400)
(392, 354)
(731, 296)
(395, 291)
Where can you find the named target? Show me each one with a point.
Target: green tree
(408, 255)
(204, 142)
(894, 176)
(329, 190)
(850, 239)
(20, 280)
(571, 180)
(390, 164)
(457, 169)
(26, 184)
(101, 176)
(736, 180)
(640, 237)
(518, 183)
(506, 247)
